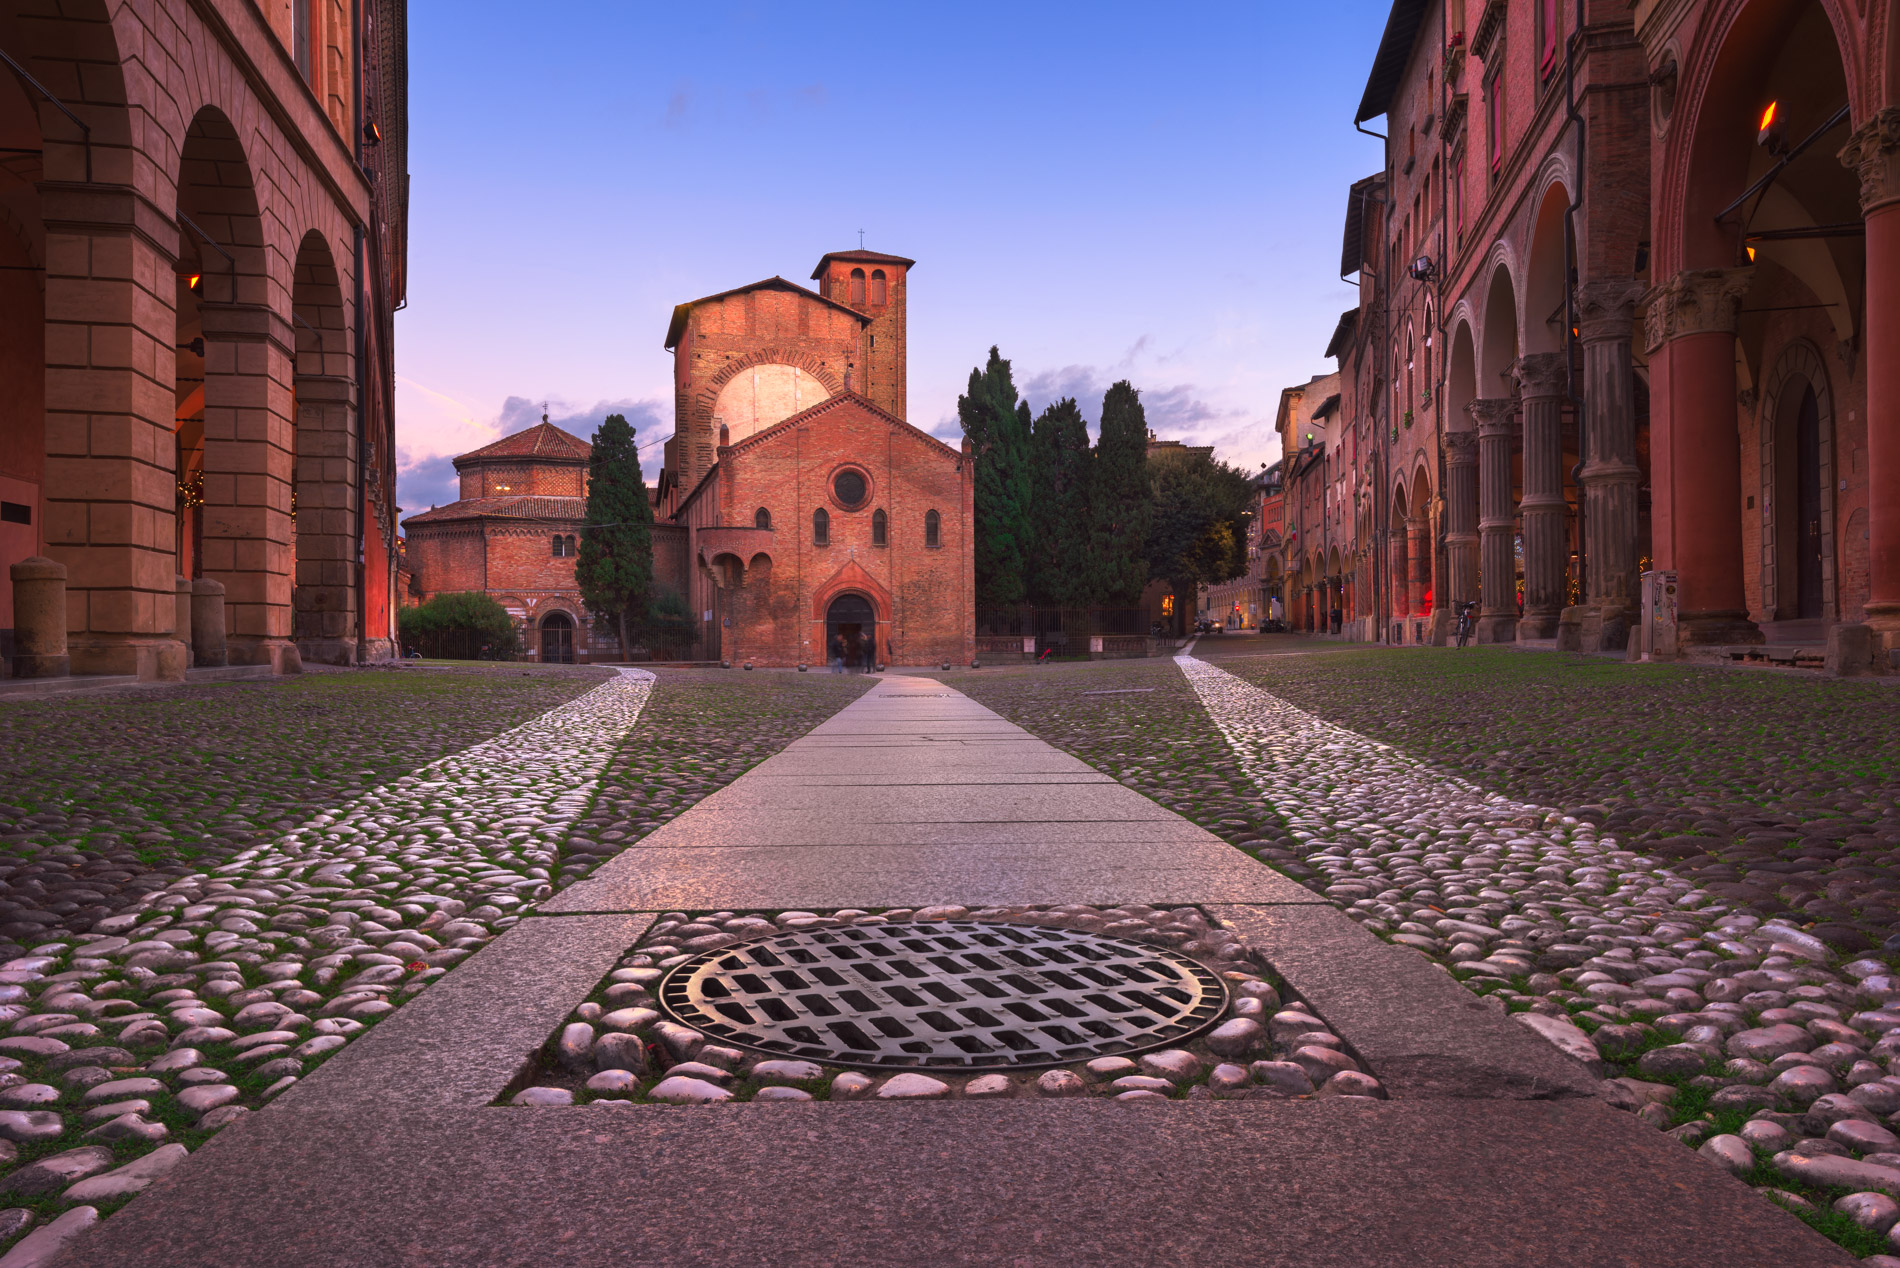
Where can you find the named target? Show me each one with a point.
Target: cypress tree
(997, 427)
(615, 566)
(1121, 500)
(1064, 529)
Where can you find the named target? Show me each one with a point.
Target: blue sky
(1105, 191)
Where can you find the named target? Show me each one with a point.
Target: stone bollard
(39, 618)
(181, 614)
(207, 623)
(1570, 629)
(1851, 652)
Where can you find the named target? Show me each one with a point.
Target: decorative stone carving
(1492, 414)
(1872, 152)
(1461, 448)
(1606, 309)
(1540, 374)
(1694, 302)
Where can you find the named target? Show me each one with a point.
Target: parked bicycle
(1466, 620)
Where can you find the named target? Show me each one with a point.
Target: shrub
(468, 626)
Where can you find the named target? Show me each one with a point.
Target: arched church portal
(852, 619)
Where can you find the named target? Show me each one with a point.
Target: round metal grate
(962, 995)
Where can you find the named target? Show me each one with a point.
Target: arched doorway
(557, 639)
(1796, 504)
(850, 619)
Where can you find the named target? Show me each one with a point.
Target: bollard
(181, 614)
(207, 623)
(39, 618)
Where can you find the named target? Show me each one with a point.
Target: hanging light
(1768, 133)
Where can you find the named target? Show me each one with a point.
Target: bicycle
(1465, 623)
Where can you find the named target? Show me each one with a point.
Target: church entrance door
(850, 618)
(557, 640)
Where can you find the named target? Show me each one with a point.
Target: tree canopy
(468, 625)
(1198, 535)
(1060, 509)
(1122, 500)
(997, 427)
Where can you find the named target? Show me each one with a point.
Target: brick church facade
(797, 507)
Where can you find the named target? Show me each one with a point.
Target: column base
(1538, 625)
(1716, 629)
(1571, 626)
(152, 658)
(380, 649)
(1884, 620)
(1440, 627)
(25, 666)
(1497, 629)
(279, 653)
(328, 651)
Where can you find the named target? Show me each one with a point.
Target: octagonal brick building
(796, 505)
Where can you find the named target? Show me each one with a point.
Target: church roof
(830, 403)
(858, 257)
(543, 440)
(527, 506)
(677, 326)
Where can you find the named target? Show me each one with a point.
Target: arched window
(821, 527)
(857, 286)
(560, 546)
(762, 518)
(880, 528)
(570, 546)
(933, 529)
(877, 286)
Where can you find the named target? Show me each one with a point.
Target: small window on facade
(933, 529)
(762, 518)
(850, 488)
(560, 546)
(570, 546)
(821, 527)
(1494, 115)
(880, 528)
(300, 37)
(857, 286)
(877, 286)
(1549, 24)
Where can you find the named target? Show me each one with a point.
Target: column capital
(1694, 302)
(1541, 374)
(1606, 308)
(1461, 448)
(1493, 414)
(1874, 153)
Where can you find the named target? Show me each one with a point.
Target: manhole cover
(952, 994)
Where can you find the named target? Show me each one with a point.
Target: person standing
(837, 653)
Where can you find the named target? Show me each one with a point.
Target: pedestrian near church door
(851, 619)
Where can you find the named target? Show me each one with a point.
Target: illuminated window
(1167, 605)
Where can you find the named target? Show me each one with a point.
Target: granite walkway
(1493, 1149)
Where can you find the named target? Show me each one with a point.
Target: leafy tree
(1122, 500)
(669, 623)
(997, 427)
(1198, 535)
(1063, 575)
(615, 567)
(465, 626)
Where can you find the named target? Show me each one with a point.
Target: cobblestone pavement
(1722, 1019)
(161, 1003)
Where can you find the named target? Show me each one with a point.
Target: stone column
(1461, 518)
(110, 491)
(181, 618)
(248, 442)
(1691, 338)
(207, 623)
(326, 592)
(1497, 568)
(1874, 150)
(1543, 384)
(1398, 551)
(1611, 479)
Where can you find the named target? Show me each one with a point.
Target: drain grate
(963, 995)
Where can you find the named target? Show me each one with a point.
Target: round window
(850, 488)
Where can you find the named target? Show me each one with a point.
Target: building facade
(514, 535)
(204, 248)
(1652, 242)
(797, 507)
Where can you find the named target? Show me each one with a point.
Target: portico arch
(325, 495)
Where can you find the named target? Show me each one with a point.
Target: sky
(1103, 191)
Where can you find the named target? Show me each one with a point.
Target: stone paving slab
(779, 877)
(932, 778)
(1464, 1184)
(718, 833)
(1418, 1027)
(933, 803)
(463, 1039)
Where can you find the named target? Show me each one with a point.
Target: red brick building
(797, 506)
(513, 535)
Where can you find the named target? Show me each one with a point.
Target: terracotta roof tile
(543, 440)
(525, 507)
